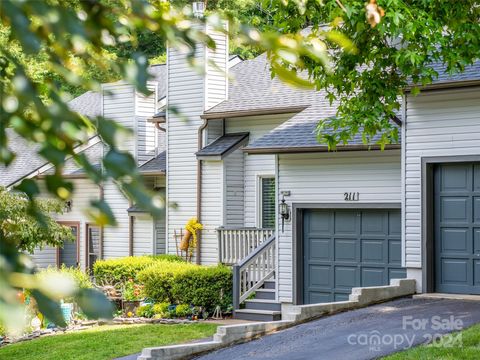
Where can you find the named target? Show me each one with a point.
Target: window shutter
(268, 202)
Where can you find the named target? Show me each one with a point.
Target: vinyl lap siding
(323, 178)
(439, 123)
(212, 200)
(217, 65)
(234, 167)
(143, 235)
(190, 94)
(118, 105)
(85, 191)
(160, 228)
(146, 133)
(255, 165)
(186, 94)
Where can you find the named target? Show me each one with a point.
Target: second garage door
(349, 248)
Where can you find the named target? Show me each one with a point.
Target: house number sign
(351, 196)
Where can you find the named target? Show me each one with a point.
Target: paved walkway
(366, 333)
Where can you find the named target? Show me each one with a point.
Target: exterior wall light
(284, 209)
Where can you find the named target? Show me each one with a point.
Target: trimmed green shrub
(117, 271)
(161, 309)
(183, 310)
(159, 279)
(81, 278)
(184, 283)
(145, 311)
(206, 286)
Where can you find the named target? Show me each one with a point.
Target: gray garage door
(457, 228)
(349, 248)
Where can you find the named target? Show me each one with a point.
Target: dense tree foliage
(397, 42)
(23, 230)
(49, 50)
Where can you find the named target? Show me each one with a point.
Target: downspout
(130, 233)
(199, 186)
(102, 197)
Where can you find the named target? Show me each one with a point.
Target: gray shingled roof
(157, 165)
(88, 104)
(26, 160)
(471, 72)
(223, 145)
(253, 88)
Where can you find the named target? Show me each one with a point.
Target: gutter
(243, 113)
(312, 149)
(445, 85)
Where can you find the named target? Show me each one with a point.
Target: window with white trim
(267, 202)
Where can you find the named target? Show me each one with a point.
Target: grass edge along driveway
(465, 347)
(106, 342)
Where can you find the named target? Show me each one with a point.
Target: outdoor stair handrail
(251, 273)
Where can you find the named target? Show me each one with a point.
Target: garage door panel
(394, 223)
(346, 250)
(320, 276)
(373, 222)
(454, 209)
(372, 251)
(345, 223)
(320, 223)
(396, 274)
(316, 297)
(373, 276)
(320, 249)
(455, 240)
(346, 276)
(476, 240)
(341, 297)
(394, 252)
(454, 271)
(457, 227)
(476, 209)
(364, 249)
(456, 177)
(476, 273)
(476, 177)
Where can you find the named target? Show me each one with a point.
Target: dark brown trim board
(297, 236)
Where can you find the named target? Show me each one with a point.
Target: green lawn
(469, 351)
(105, 342)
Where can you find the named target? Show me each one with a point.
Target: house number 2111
(351, 196)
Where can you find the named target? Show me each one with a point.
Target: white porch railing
(235, 244)
(251, 272)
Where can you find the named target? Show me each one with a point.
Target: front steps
(263, 307)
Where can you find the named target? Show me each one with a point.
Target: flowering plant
(132, 291)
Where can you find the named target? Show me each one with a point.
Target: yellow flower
(129, 314)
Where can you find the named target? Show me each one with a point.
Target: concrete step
(269, 284)
(258, 315)
(262, 304)
(265, 294)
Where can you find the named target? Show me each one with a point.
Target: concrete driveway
(366, 333)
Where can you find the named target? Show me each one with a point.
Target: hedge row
(118, 271)
(185, 283)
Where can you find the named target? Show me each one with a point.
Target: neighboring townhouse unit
(137, 232)
(304, 225)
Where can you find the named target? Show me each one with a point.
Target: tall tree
(396, 42)
(65, 39)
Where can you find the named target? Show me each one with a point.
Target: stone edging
(291, 315)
